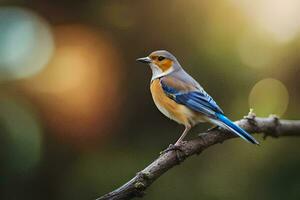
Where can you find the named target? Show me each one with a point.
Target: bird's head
(161, 62)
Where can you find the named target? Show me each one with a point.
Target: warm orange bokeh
(79, 88)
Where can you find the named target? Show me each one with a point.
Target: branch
(271, 126)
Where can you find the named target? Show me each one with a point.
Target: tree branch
(271, 126)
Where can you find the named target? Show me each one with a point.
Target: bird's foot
(180, 154)
(172, 147)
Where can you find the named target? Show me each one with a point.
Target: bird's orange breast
(169, 107)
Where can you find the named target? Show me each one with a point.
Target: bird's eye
(160, 58)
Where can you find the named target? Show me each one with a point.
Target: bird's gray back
(183, 76)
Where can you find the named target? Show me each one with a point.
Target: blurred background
(76, 115)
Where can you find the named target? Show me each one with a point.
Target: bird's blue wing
(195, 99)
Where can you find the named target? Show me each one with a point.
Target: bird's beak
(144, 60)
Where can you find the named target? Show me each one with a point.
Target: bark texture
(270, 126)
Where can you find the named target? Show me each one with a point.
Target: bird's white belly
(162, 109)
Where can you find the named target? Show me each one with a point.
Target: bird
(181, 98)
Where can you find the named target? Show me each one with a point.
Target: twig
(271, 126)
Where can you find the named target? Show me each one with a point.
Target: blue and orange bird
(181, 98)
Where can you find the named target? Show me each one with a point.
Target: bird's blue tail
(227, 123)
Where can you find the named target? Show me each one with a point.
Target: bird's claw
(172, 147)
(178, 150)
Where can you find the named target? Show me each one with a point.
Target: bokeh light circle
(279, 19)
(78, 91)
(26, 43)
(269, 96)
